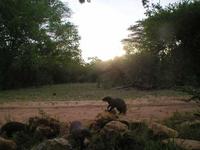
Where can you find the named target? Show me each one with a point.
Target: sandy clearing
(154, 108)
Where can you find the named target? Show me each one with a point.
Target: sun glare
(102, 25)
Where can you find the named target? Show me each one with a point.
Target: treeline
(38, 44)
(162, 50)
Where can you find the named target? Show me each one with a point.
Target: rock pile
(107, 131)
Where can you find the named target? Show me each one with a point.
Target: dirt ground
(154, 108)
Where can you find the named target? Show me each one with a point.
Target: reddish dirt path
(155, 108)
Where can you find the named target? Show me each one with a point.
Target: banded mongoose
(117, 103)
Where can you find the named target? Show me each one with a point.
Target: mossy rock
(53, 144)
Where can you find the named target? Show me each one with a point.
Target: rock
(125, 120)
(192, 124)
(47, 126)
(184, 143)
(132, 124)
(106, 116)
(12, 127)
(113, 131)
(162, 131)
(53, 144)
(115, 126)
(6, 144)
(103, 118)
(44, 131)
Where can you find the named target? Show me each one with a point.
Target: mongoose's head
(107, 98)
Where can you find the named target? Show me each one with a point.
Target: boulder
(6, 144)
(53, 144)
(184, 143)
(106, 116)
(162, 131)
(125, 120)
(49, 127)
(11, 128)
(103, 118)
(137, 124)
(113, 131)
(44, 131)
(132, 124)
(115, 126)
(191, 124)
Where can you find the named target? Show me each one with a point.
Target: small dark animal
(54, 94)
(83, 1)
(11, 128)
(79, 133)
(117, 103)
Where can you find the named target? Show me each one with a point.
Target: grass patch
(187, 124)
(78, 91)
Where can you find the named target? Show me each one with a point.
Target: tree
(171, 34)
(145, 3)
(36, 40)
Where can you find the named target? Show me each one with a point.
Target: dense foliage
(162, 50)
(38, 44)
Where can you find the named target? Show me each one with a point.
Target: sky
(102, 24)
